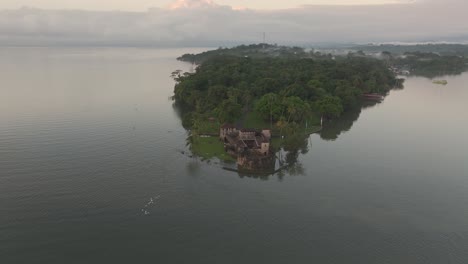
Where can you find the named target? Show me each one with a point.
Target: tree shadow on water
(334, 128)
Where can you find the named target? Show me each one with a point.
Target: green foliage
(329, 106)
(254, 119)
(431, 64)
(269, 106)
(296, 109)
(206, 127)
(283, 89)
(208, 148)
(442, 49)
(429, 60)
(228, 111)
(247, 51)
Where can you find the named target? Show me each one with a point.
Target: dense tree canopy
(280, 88)
(262, 50)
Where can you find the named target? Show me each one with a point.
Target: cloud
(192, 4)
(204, 23)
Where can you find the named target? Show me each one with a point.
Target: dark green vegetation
(430, 64)
(261, 86)
(208, 148)
(430, 60)
(441, 49)
(252, 51)
(283, 92)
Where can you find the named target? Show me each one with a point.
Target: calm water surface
(89, 136)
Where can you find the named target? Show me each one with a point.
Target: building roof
(248, 130)
(262, 139)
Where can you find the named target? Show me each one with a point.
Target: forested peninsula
(268, 86)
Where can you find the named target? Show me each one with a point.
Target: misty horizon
(207, 24)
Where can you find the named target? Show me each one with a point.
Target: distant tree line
(430, 64)
(262, 50)
(460, 50)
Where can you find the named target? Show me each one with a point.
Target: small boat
(373, 96)
(441, 82)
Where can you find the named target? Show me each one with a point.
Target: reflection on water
(293, 145)
(74, 174)
(332, 129)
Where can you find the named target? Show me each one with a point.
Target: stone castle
(251, 147)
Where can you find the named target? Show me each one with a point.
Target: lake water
(89, 136)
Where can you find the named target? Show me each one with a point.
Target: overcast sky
(142, 5)
(227, 22)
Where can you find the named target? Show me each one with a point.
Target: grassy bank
(206, 127)
(209, 147)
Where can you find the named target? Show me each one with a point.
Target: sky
(212, 23)
(142, 5)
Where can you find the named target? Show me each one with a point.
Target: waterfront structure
(251, 147)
